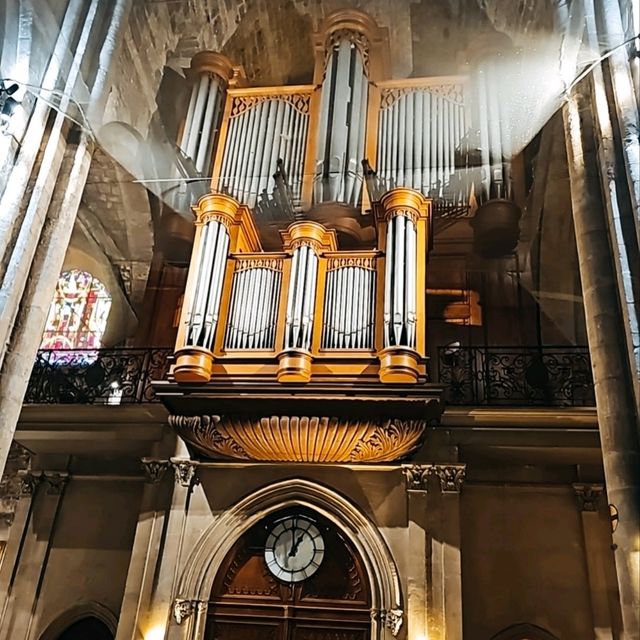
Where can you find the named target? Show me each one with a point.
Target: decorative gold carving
(154, 469)
(588, 495)
(301, 438)
(311, 234)
(417, 476)
(451, 476)
(298, 101)
(244, 264)
(362, 262)
(452, 92)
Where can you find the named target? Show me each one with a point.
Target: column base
(294, 365)
(399, 365)
(193, 364)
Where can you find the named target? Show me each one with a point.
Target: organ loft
(343, 337)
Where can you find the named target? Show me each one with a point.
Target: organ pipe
(261, 130)
(341, 132)
(211, 72)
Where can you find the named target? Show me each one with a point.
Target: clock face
(294, 549)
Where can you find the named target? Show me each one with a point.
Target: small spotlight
(7, 103)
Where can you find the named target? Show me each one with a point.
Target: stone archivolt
(301, 438)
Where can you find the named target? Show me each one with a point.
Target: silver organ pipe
(419, 131)
(203, 316)
(254, 304)
(261, 130)
(400, 295)
(203, 121)
(349, 299)
(341, 134)
(301, 299)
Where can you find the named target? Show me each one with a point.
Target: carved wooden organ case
(303, 328)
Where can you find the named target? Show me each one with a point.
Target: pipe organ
(304, 307)
(311, 310)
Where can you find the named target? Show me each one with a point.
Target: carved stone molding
(451, 476)
(154, 469)
(185, 471)
(588, 495)
(29, 482)
(389, 619)
(301, 438)
(182, 609)
(416, 476)
(56, 481)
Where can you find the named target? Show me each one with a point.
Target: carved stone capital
(416, 476)
(56, 481)
(182, 609)
(391, 619)
(154, 469)
(451, 476)
(29, 482)
(588, 495)
(185, 471)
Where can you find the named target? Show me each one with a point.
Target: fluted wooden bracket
(373, 39)
(310, 233)
(235, 217)
(215, 63)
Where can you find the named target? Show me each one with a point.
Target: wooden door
(249, 603)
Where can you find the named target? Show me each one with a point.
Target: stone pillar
(145, 554)
(30, 564)
(163, 609)
(445, 579)
(617, 415)
(597, 545)
(417, 581)
(29, 298)
(434, 580)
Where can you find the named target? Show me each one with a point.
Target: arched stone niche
(205, 560)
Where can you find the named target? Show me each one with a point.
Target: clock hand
(296, 544)
(292, 551)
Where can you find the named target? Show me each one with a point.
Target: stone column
(145, 555)
(30, 565)
(445, 584)
(597, 544)
(417, 581)
(29, 482)
(617, 415)
(164, 605)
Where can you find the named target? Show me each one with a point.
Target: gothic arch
(204, 561)
(76, 613)
(524, 631)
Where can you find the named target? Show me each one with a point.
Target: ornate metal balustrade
(98, 376)
(517, 376)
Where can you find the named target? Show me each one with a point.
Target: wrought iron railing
(517, 376)
(98, 376)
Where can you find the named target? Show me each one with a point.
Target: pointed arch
(206, 557)
(524, 631)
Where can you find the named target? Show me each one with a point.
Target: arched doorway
(292, 576)
(85, 628)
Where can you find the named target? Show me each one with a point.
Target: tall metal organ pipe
(206, 107)
(400, 299)
(301, 298)
(341, 134)
(202, 318)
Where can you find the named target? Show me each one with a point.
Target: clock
(294, 548)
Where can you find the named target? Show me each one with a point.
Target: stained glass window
(78, 314)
